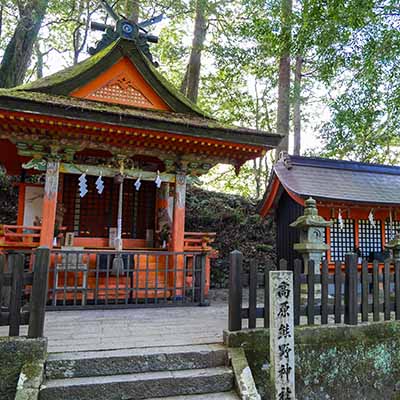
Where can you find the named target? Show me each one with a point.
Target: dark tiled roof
(340, 180)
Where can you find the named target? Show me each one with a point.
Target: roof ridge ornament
(285, 158)
(125, 29)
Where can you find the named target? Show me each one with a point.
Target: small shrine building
(362, 200)
(104, 150)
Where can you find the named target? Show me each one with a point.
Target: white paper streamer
(100, 184)
(83, 189)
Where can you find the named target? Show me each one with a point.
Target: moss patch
(14, 354)
(332, 362)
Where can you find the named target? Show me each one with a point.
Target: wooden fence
(24, 292)
(90, 279)
(347, 294)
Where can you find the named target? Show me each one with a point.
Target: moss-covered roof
(66, 81)
(165, 121)
(51, 96)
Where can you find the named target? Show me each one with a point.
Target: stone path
(126, 328)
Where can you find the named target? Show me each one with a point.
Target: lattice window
(369, 238)
(94, 214)
(342, 239)
(323, 236)
(121, 90)
(391, 229)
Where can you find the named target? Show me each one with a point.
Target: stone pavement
(137, 327)
(85, 330)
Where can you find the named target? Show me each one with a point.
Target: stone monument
(282, 334)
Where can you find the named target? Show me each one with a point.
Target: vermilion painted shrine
(112, 121)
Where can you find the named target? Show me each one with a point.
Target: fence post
(202, 262)
(253, 294)
(39, 292)
(2, 271)
(266, 297)
(397, 287)
(16, 265)
(350, 290)
(235, 291)
(297, 290)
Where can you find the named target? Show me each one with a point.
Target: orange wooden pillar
(50, 203)
(178, 228)
(21, 203)
(162, 205)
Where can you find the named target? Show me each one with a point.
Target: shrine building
(362, 200)
(103, 151)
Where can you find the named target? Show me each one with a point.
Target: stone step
(205, 396)
(140, 386)
(131, 361)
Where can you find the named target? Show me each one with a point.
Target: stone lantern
(312, 226)
(394, 245)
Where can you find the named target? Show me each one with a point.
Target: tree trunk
(191, 80)
(1, 19)
(132, 8)
(18, 53)
(297, 105)
(283, 114)
(257, 168)
(39, 62)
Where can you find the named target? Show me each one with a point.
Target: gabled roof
(55, 97)
(70, 79)
(334, 180)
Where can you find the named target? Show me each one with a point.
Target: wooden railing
(199, 241)
(29, 236)
(22, 284)
(19, 235)
(102, 279)
(349, 294)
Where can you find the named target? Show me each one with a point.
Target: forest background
(324, 73)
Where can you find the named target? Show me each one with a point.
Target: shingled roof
(52, 96)
(335, 180)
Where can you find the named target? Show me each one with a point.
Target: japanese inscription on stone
(282, 334)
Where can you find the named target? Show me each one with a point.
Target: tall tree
(18, 53)
(191, 80)
(283, 112)
(297, 105)
(132, 9)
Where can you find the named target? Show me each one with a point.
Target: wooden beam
(178, 229)
(50, 203)
(94, 170)
(178, 223)
(21, 203)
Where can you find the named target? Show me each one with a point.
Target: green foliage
(365, 121)
(351, 66)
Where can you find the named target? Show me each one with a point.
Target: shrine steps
(175, 373)
(205, 396)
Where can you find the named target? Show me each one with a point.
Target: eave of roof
(335, 181)
(163, 121)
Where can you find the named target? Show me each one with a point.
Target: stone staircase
(174, 373)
